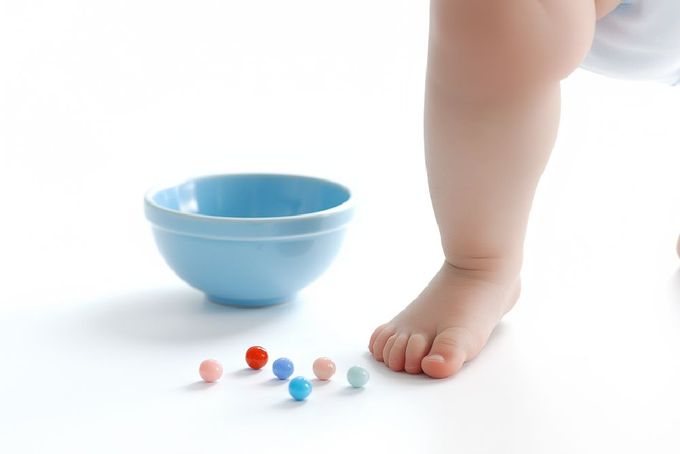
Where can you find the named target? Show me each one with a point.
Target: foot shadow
(674, 288)
(176, 315)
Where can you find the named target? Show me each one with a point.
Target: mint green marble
(357, 376)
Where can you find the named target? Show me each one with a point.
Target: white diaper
(638, 40)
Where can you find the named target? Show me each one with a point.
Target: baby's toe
(416, 348)
(448, 353)
(374, 336)
(380, 342)
(388, 348)
(396, 359)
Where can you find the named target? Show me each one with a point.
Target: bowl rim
(344, 206)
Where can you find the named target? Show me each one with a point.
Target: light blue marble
(357, 376)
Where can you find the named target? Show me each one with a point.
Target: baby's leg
(491, 117)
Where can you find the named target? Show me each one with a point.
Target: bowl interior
(252, 196)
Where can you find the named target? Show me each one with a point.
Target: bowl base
(248, 303)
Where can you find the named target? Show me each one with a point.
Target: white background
(100, 342)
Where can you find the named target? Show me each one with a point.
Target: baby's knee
(507, 44)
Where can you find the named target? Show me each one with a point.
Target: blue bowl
(249, 239)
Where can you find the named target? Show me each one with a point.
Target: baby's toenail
(438, 358)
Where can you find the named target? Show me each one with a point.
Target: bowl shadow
(178, 315)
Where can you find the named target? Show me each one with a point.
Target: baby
(492, 108)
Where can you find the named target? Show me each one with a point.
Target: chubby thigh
(501, 44)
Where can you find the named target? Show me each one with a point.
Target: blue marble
(283, 368)
(300, 388)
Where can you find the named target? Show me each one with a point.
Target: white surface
(100, 343)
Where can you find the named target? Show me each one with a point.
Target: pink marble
(210, 370)
(324, 368)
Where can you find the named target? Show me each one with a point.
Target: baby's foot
(448, 323)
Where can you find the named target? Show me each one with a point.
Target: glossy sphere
(256, 357)
(283, 368)
(299, 388)
(210, 370)
(324, 368)
(357, 376)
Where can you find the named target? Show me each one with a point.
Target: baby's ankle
(485, 267)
